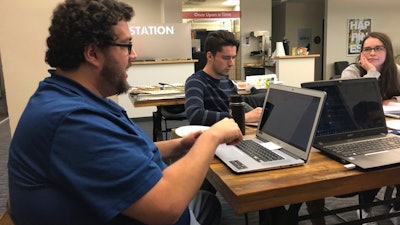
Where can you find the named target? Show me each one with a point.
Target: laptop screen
(289, 116)
(352, 107)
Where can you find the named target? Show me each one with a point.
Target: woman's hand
(364, 63)
(387, 101)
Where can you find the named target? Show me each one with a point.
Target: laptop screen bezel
(294, 150)
(371, 82)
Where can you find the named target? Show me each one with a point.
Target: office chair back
(339, 67)
(172, 112)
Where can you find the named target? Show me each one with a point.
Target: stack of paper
(392, 110)
(393, 107)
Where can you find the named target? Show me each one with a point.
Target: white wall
(24, 26)
(147, 11)
(385, 18)
(24, 29)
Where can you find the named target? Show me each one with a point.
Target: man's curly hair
(77, 23)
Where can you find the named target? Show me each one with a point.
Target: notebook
(353, 115)
(286, 130)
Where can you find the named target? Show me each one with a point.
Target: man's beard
(220, 72)
(116, 80)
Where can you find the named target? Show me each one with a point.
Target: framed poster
(357, 29)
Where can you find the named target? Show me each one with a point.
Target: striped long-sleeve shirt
(207, 98)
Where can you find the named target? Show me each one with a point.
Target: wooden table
(320, 177)
(159, 102)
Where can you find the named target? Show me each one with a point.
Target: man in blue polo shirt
(76, 158)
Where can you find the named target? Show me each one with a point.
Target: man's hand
(254, 115)
(227, 131)
(188, 140)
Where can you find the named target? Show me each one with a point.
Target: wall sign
(357, 29)
(159, 41)
(210, 14)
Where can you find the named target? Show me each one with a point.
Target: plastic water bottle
(237, 108)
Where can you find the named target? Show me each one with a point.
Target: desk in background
(166, 99)
(151, 73)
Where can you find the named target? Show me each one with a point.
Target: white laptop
(284, 134)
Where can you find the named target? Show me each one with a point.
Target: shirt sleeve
(109, 166)
(352, 72)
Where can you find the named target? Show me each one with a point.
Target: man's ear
(92, 54)
(209, 55)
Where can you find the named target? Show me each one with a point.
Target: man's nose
(133, 54)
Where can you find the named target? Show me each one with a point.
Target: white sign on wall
(162, 41)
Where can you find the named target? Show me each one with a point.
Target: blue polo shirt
(76, 158)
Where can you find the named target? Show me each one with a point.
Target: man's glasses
(125, 45)
(376, 49)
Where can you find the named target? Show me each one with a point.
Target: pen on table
(165, 84)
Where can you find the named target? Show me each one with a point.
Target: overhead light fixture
(231, 2)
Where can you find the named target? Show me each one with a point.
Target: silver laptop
(352, 128)
(284, 134)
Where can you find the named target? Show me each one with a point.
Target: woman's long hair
(388, 81)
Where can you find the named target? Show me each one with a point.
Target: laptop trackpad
(376, 160)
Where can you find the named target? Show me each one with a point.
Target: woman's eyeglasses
(376, 49)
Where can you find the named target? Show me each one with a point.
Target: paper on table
(393, 107)
(393, 124)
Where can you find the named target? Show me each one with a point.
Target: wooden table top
(320, 177)
(165, 102)
(159, 102)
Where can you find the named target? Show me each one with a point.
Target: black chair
(256, 97)
(339, 67)
(171, 112)
(202, 60)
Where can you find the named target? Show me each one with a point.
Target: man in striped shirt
(207, 91)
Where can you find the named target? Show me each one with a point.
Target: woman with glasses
(377, 60)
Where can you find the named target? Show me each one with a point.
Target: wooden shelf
(297, 56)
(164, 62)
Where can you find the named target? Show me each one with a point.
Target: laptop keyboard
(365, 147)
(257, 151)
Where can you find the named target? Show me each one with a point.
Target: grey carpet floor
(229, 217)
(4, 145)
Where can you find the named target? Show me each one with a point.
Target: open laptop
(353, 115)
(286, 128)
